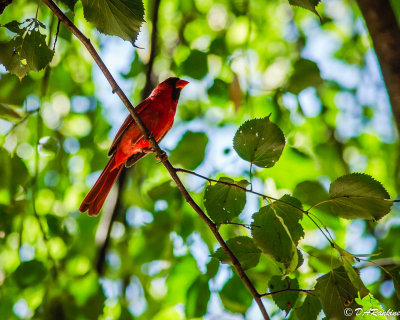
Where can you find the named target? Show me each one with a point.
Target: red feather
(157, 113)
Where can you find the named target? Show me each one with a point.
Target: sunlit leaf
(358, 195)
(244, 249)
(260, 142)
(121, 18)
(284, 300)
(190, 150)
(369, 304)
(224, 202)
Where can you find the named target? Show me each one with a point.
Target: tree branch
(156, 148)
(385, 33)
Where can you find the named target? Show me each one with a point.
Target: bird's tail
(98, 194)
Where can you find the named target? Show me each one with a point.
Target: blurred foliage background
(244, 59)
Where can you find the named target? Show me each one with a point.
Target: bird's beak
(181, 84)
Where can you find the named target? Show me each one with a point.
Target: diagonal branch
(160, 153)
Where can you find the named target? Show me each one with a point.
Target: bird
(157, 112)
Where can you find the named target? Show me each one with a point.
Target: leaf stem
(287, 289)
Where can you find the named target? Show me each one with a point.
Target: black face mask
(176, 92)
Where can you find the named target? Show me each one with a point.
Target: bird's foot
(162, 157)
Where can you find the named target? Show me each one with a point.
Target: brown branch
(287, 289)
(160, 153)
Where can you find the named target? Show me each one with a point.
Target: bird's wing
(128, 121)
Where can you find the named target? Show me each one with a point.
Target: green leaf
(235, 297)
(121, 18)
(310, 192)
(11, 59)
(336, 292)
(273, 237)
(369, 303)
(310, 308)
(14, 91)
(395, 274)
(212, 268)
(219, 91)
(190, 150)
(21, 55)
(69, 3)
(8, 113)
(13, 26)
(306, 74)
(197, 298)
(284, 300)
(244, 249)
(35, 51)
(223, 202)
(30, 273)
(259, 141)
(286, 208)
(358, 195)
(307, 4)
(347, 262)
(195, 66)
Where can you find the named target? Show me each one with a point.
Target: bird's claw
(162, 157)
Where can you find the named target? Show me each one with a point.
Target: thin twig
(288, 289)
(159, 152)
(264, 196)
(247, 226)
(57, 32)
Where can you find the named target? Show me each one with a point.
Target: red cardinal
(129, 146)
